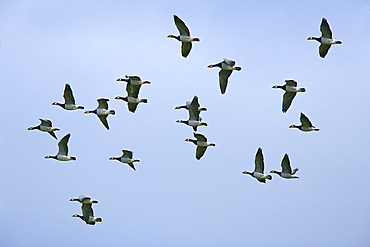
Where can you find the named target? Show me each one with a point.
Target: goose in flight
(227, 66)
(194, 119)
(69, 100)
(259, 166)
(306, 124)
(187, 105)
(102, 111)
(87, 211)
(201, 143)
(286, 169)
(84, 200)
(63, 150)
(126, 158)
(326, 39)
(291, 90)
(184, 36)
(45, 126)
(133, 88)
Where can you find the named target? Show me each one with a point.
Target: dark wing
(132, 107)
(68, 95)
(103, 104)
(229, 62)
(183, 29)
(63, 147)
(127, 154)
(194, 109)
(223, 79)
(305, 121)
(87, 211)
(45, 122)
(200, 152)
(133, 90)
(53, 134)
(291, 83)
(259, 165)
(200, 137)
(131, 165)
(103, 119)
(134, 78)
(287, 100)
(285, 165)
(323, 50)
(325, 29)
(185, 48)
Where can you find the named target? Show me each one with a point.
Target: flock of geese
(133, 84)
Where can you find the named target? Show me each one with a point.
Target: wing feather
(285, 165)
(287, 100)
(103, 119)
(325, 29)
(68, 95)
(323, 50)
(200, 152)
(63, 147)
(185, 48)
(258, 161)
(305, 121)
(223, 79)
(183, 29)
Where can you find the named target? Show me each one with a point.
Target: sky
(172, 199)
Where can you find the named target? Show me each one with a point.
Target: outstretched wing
(287, 100)
(183, 29)
(132, 107)
(45, 122)
(193, 109)
(185, 48)
(103, 119)
(325, 29)
(200, 152)
(285, 165)
(305, 121)
(323, 50)
(223, 79)
(131, 165)
(259, 165)
(68, 95)
(200, 137)
(53, 134)
(127, 154)
(103, 103)
(63, 147)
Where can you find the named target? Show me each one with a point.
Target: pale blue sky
(173, 199)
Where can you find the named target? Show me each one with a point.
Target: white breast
(194, 123)
(327, 41)
(185, 38)
(102, 112)
(63, 157)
